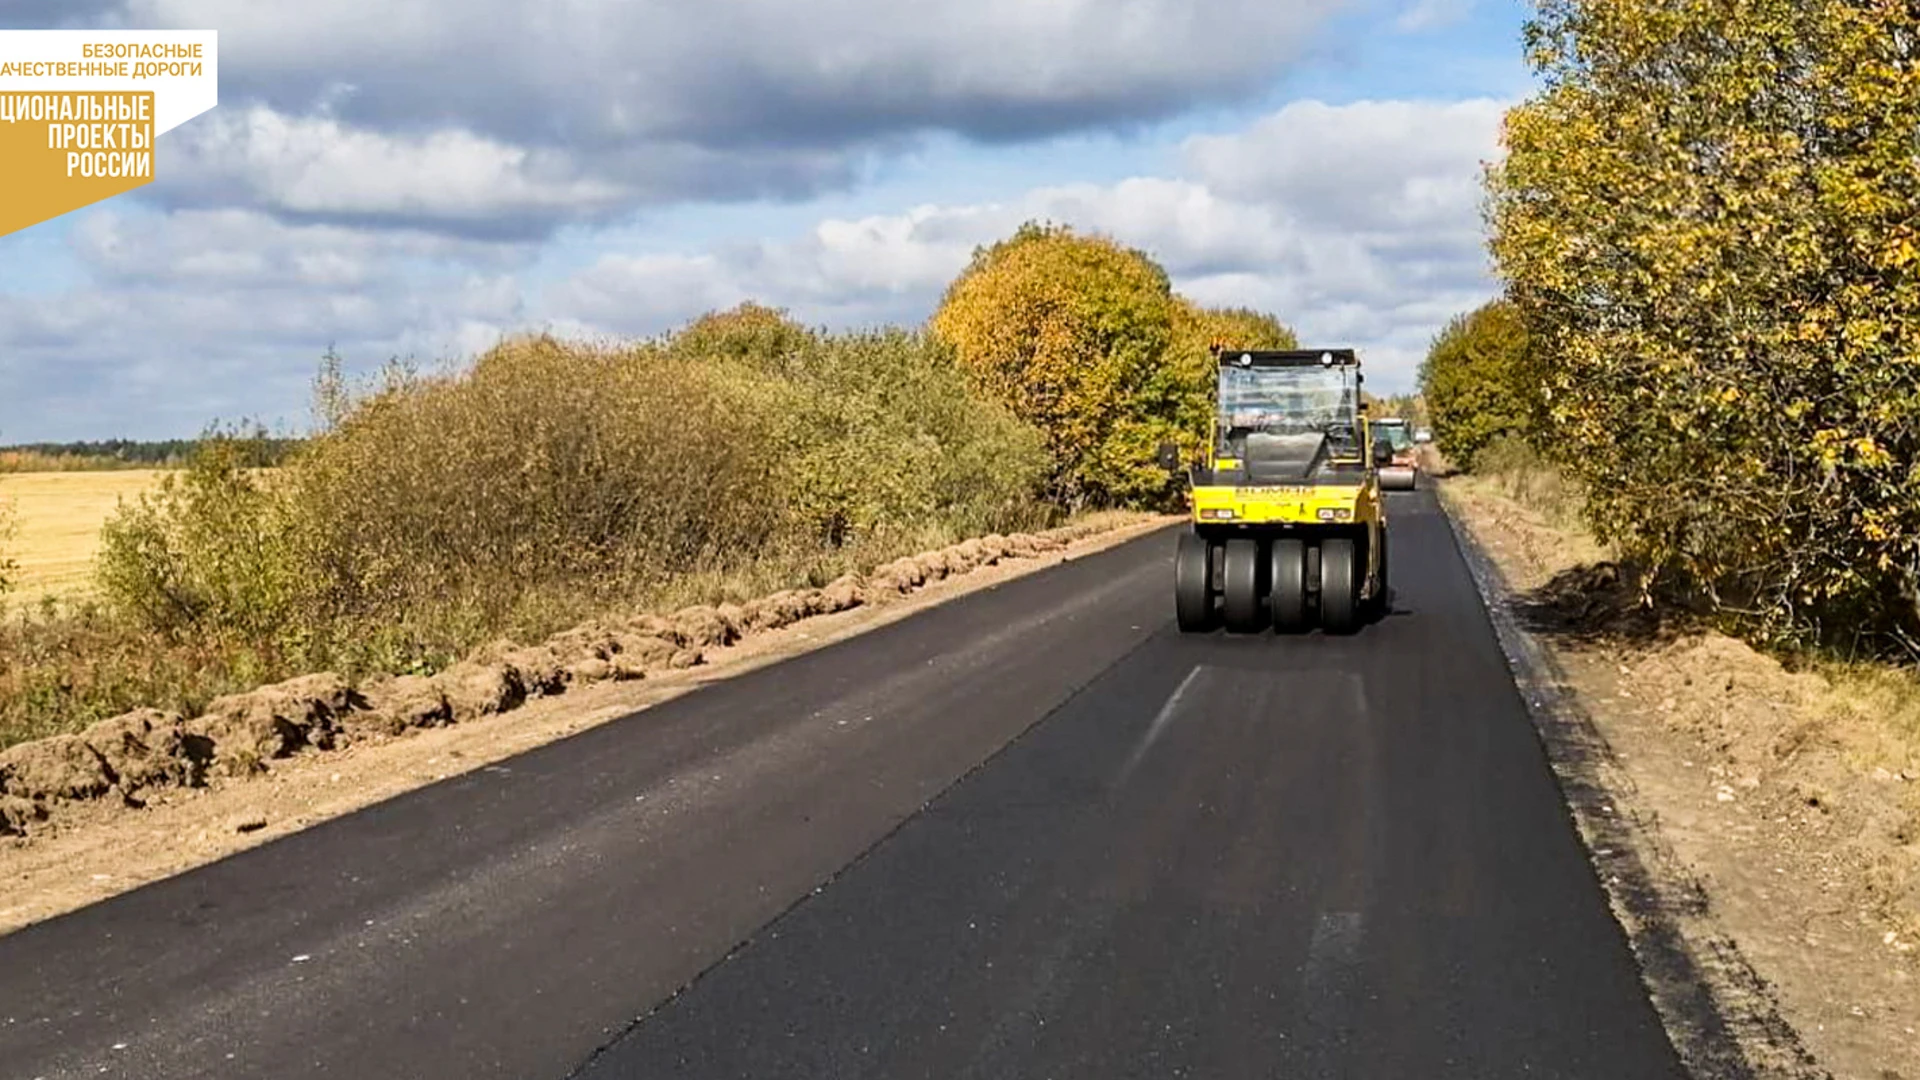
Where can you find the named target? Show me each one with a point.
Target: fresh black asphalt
(1032, 832)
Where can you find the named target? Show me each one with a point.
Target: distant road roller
(1402, 473)
(1288, 527)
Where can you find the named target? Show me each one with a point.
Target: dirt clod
(645, 652)
(474, 689)
(591, 641)
(538, 669)
(18, 815)
(782, 609)
(701, 626)
(148, 748)
(402, 702)
(906, 574)
(590, 670)
(61, 767)
(276, 721)
(844, 593)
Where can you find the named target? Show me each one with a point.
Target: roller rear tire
(1288, 573)
(1192, 583)
(1383, 596)
(1241, 585)
(1339, 586)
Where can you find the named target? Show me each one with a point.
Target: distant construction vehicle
(1288, 520)
(1403, 472)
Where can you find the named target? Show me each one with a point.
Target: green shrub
(208, 549)
(1474, 383)
(546, 462)
(552, 479)
(875, 430)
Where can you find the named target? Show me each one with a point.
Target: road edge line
(1716, 1009)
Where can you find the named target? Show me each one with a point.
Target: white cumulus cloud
(535, 114)
(1358, 224)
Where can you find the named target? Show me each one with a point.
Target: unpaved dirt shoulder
(1755, 843)
(96, 850)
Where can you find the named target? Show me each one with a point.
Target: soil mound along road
(130, 756)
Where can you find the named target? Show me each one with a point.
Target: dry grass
(1518, 472)
(1881, 704)
(1870, 708)
(59, 515)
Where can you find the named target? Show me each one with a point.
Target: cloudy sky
(413, 178)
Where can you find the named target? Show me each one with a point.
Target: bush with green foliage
(1475, 384)
(1708, 222)
(208, 547)
(431, 510)
(875, 428)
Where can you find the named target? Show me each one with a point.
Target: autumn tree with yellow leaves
(1707, 221)
(1085, 339)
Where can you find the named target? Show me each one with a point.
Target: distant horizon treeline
(99, 455)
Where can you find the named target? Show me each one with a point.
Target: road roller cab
(1288, 524)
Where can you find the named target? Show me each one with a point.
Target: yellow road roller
(1288, 527)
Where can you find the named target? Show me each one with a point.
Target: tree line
(1707, 226)
(265, 451)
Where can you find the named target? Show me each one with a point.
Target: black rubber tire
(1240, 584)
(1339, 586)
(1287, 575)
(1192, 583)
(1382, 604)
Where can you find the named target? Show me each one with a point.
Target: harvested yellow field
(59, 515)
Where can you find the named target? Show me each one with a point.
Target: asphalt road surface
(1034, 832)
